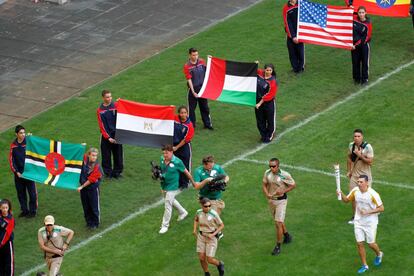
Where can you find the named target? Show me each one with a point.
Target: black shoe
(107, 176)
(209, 127)
(364, 82)
(276, 251)
(220, 268)
(23, 214)
(117, 176)
(287, 239)
(207, 273)
(31, 215)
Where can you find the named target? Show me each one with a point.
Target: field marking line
(146, 208)
(311, 170)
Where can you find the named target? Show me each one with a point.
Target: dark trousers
(23, 185)
(91, 207)
(266, 120)
(7, 259)
(108, 149)
(184, 153)
(360, 63)
(204, 109)
(296, 55)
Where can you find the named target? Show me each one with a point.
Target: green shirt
(171, 173)
(201, 174)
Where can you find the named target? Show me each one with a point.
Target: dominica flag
(145, 125)
(230, 82)
(53, 163)
(393, 8)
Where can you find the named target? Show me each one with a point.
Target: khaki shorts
(366, 233)
(217, 205)
(278, 209)
(206, 245)
(53, 265)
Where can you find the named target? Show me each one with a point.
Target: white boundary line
(310, 170)
(243, 156)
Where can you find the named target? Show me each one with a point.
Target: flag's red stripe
(163, 112)
(325, 44)
(348, 21)
(394, 11)
(215, 82)
(307, 29)
(339, 27)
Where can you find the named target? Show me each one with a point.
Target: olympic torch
(338, 179)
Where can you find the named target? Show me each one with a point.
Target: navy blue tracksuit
(16, 160)
(360, 55)
(296, 51)
(183, 131)
(107, 125)
(90, 194)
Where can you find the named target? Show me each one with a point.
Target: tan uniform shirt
(208, 222)
(56, 239)
(282, 179)
(359, 167)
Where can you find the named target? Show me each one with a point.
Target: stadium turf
(323, 243)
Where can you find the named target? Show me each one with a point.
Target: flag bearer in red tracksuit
(362, 30)
(183, 133)
(90, 179)
(296, 50)
(6, 239)
(194, 71)
(107, 123)
(266, 106)
(16, 159)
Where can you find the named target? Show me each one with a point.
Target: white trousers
(170, 201)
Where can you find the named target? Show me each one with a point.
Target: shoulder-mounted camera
(218, 183)
(156, 171)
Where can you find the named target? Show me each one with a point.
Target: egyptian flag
(230, 82)
(53, 163)
(145, 125)
(393, 8)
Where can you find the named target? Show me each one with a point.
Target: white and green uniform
(171, 173)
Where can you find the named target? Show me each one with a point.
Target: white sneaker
(351, 221)
(182, 216)
(163, 230)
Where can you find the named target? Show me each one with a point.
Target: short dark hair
(6, 201)
(208, 159)
(182, 107)
(18, 128)
(105, 91)
(358, 130)
(204, 200)
(364, 176)
(192, 50)
(274, 159)
(167, 147)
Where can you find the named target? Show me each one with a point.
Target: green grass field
(323, 241)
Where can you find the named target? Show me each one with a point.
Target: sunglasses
(272, 166)
(49, 224)
(206, 206)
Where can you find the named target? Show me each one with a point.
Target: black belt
(201, 233)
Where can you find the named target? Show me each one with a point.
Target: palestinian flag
(53, 163)
(230, 82)
(392, 8)
(145, 125)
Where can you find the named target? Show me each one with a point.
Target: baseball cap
(49, 220)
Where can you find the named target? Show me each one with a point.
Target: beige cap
(49, 220)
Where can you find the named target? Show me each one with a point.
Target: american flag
(325, 25)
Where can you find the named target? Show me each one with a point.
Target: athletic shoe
(378, 259)
(220, 268)
(208, 127)
(363, 269)
(351, 221)
(23, 214)
(287, 239)
(206, 273)
(163, 230)
(276, 251)
(182, 216)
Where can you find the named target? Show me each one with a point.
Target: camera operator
(54, 241)
(171, 168)
(204, 177)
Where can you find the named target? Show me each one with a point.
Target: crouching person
(209, 224)
(54, 240)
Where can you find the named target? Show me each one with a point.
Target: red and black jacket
(271, 93)
(6, 229)
(183, 131)
(290, 19)
(195, 72)
(17, 155)
(107, 120)
(362, 31)
(94, 174)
